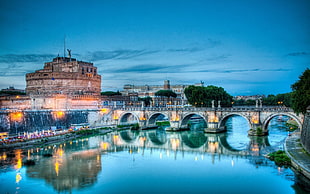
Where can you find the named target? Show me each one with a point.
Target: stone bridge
(213, 117)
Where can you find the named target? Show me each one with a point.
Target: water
(153, 162)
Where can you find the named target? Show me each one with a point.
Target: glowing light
(60, 152)
(18, 177)
(56, 167)
(160, 155)
(175, 117)
(213, 119)
(3, 157)
(59, 114)
(213, 147)
(19, 162)
(142, 119)
(232, 163)
(254, 119)
(255, 148)
(142, 140)
(16, 116)
(17, 97)
(104, 110)
(115, 139)
(104, 145)
(115, 117)
(175, 143)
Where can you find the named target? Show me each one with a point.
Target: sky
(248, 47)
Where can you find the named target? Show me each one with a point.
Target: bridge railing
(199, 109)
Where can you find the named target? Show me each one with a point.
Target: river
(154, 161)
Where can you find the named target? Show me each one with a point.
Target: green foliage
(280, 158)
(167, 93)
(129, 125)
(162, 123)
(250, 102)
(87, 131)
(147, 100)
(13, 93)
(259, 131)
(280, 99)
(301, 93)
(292, 125)
(271, 100)
(202, 96)
(110, 93)
(135, 126)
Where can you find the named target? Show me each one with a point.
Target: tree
(202, 96)
(301, 93)
(110, 93)
(147, 100)
(167, 93)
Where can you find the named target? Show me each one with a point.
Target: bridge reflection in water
(78, 164)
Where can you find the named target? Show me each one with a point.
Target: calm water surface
(154, 162)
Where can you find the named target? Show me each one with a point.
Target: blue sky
(247, 47)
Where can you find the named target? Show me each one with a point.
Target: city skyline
(246, 47)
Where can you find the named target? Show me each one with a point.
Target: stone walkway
(299, 156)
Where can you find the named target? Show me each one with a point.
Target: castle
(63, 83)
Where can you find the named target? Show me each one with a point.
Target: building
(150, 90)
(64, 83)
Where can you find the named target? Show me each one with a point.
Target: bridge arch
(187, 117)
(271, 116)
(128, 118)
(223, 120)
(153, 117)
(158, 137)
(129, 136)
(194, 139)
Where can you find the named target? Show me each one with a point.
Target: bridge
(214, 118)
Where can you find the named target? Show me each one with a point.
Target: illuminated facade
(64, 83)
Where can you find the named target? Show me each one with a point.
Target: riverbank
(43, 141)
(300, 158)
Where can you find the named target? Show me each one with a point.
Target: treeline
(12, 93)
(270, 100)
(110, 93)
(200, 96)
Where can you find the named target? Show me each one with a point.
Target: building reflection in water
(68, 170)
(76, 164)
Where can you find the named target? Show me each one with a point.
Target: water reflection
(77, 164)
(67, 170)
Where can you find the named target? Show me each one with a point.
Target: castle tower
(64, 83)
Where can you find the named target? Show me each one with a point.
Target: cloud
(149, 68)
(15, 58)
(194, 49)
(297, 54)
(119, 54)
(12, 73)
(241, 70)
